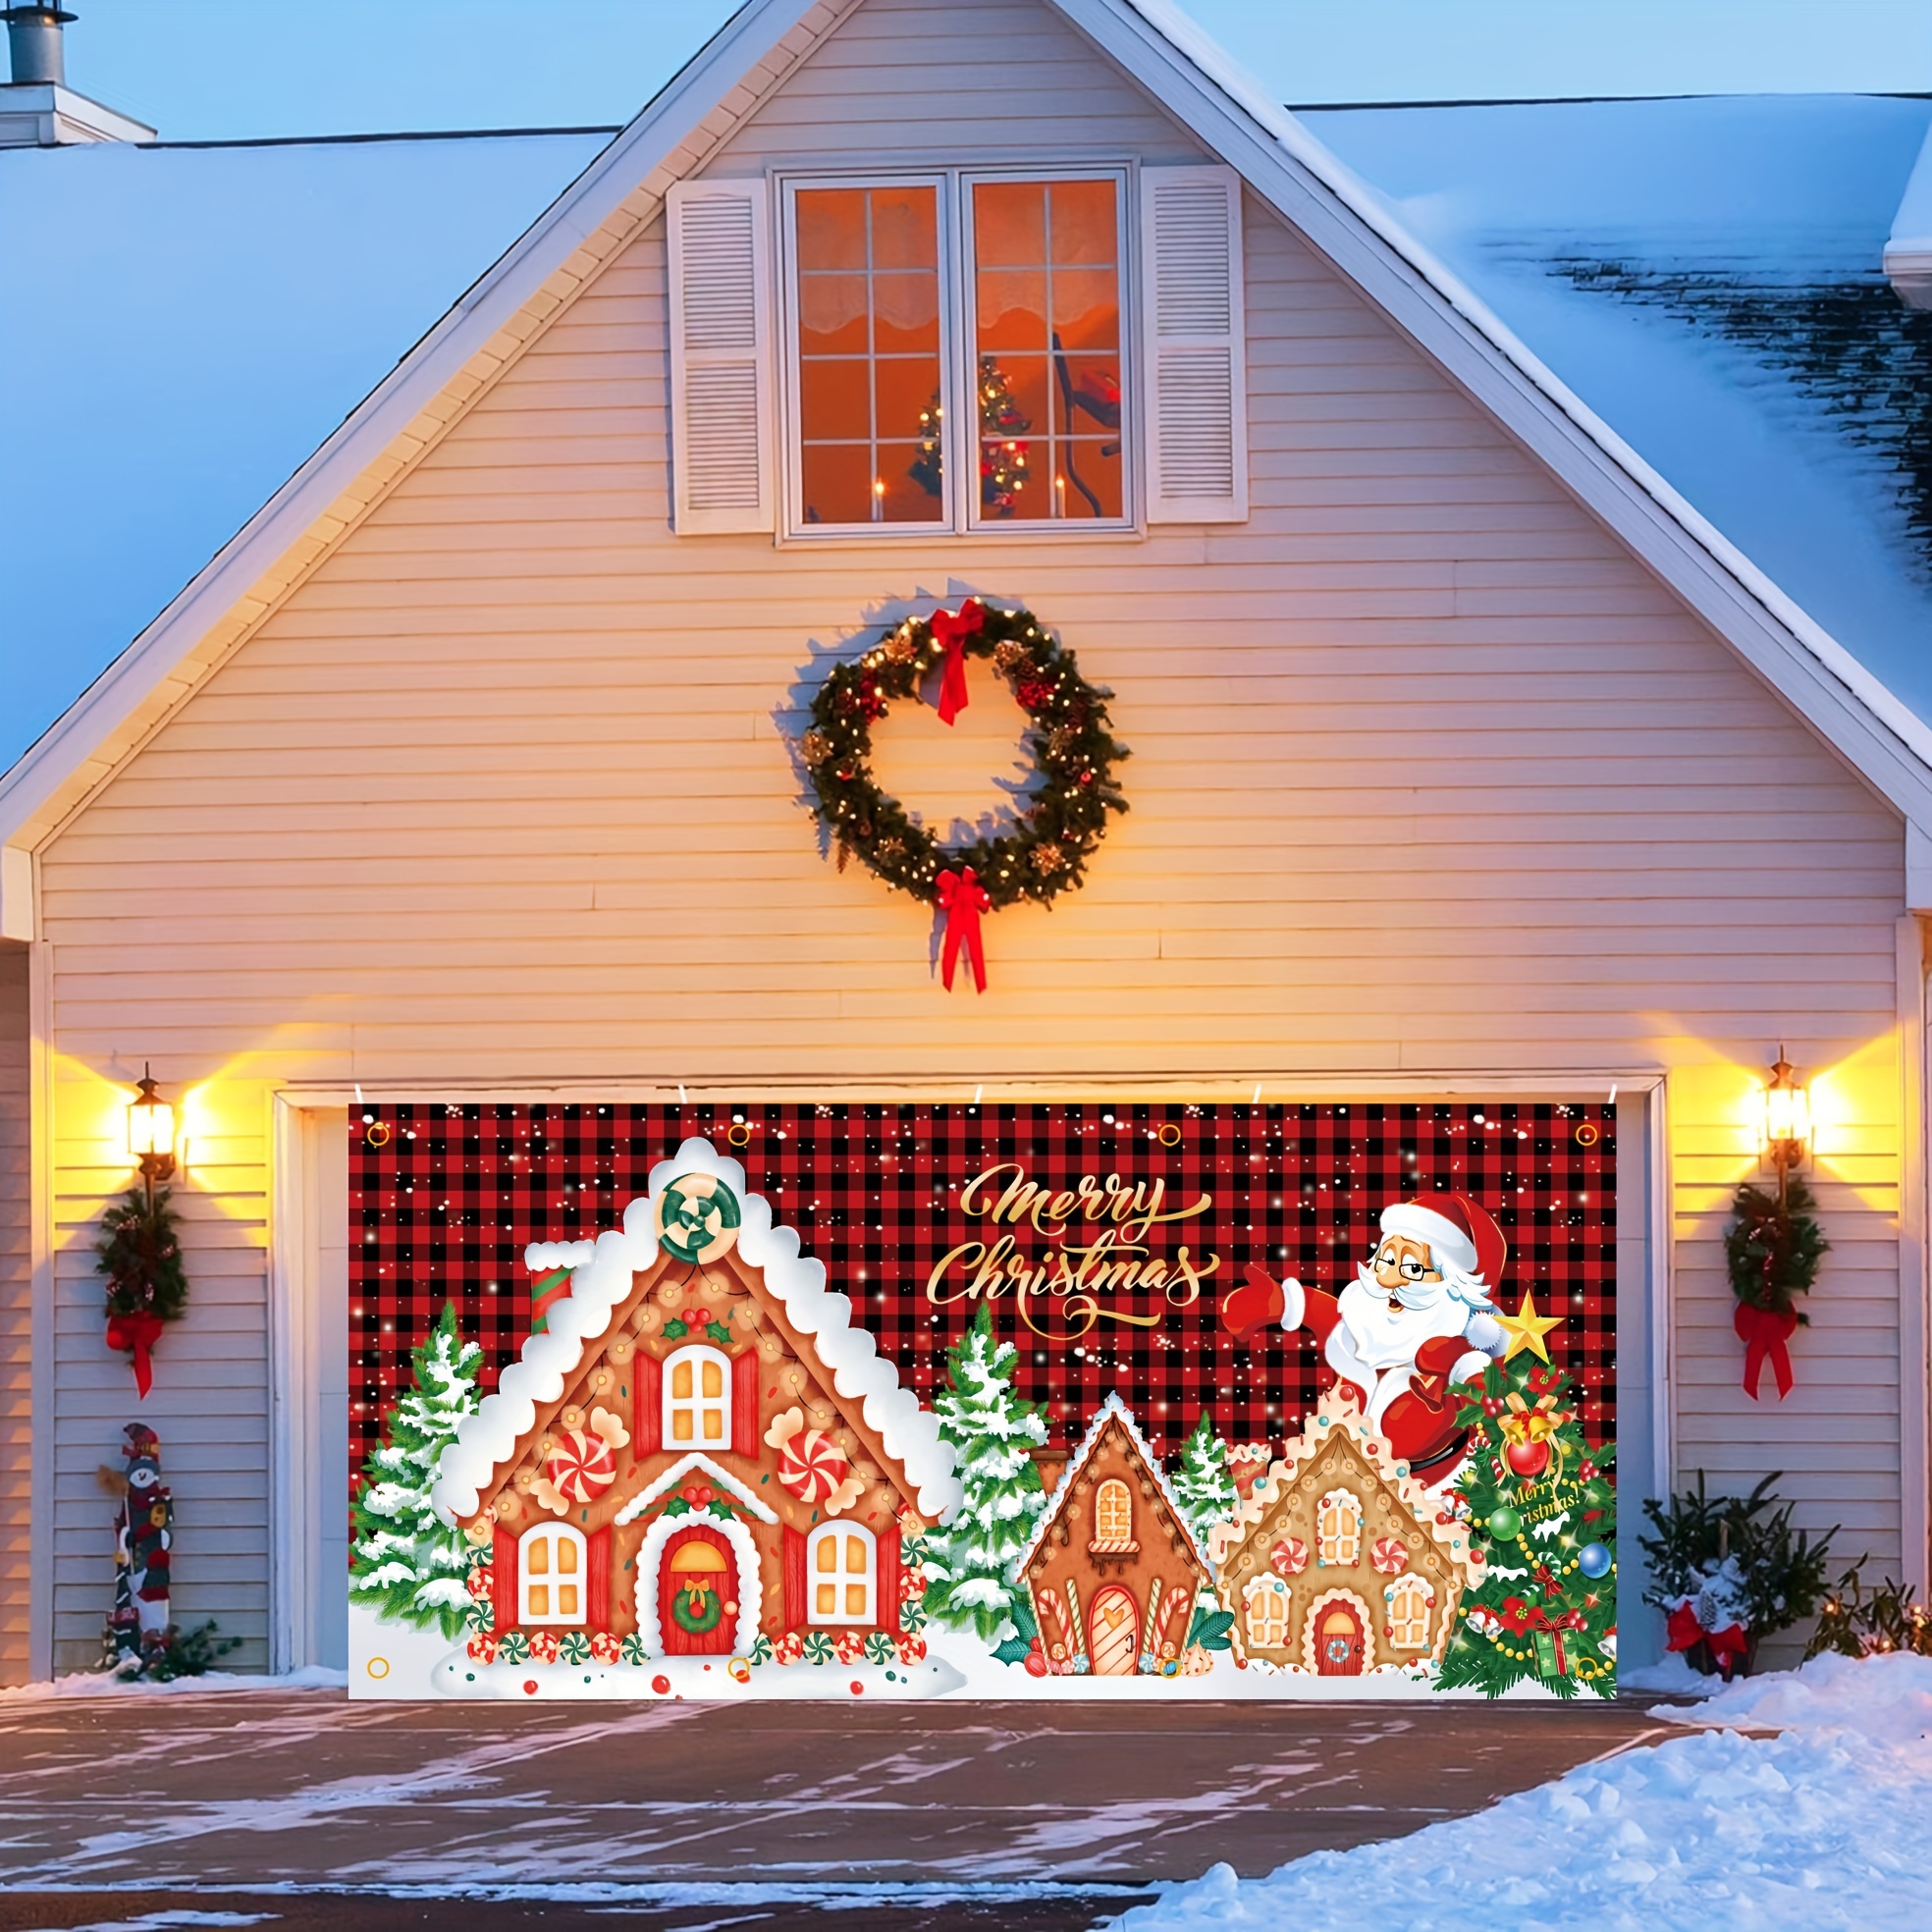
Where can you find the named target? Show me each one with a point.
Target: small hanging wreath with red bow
(1065, 809)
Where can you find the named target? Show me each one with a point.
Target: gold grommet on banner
(1587, 1133)
(377, 1133)
(1170, 1135)
(739, 1134)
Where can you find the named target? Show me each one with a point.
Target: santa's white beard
(1374, 1346)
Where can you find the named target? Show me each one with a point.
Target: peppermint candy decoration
(812, 1466)
(1289, 1556)
(1389, 1555)
(580, 1465)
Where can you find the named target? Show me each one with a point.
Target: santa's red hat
(1457, 1230)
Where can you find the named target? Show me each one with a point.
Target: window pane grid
(870, 369)
(1046, 350)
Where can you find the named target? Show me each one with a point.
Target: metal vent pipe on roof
(33, 43)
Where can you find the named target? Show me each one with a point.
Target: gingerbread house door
(1338, 1641)
(697, 1595)
(1112, 1625)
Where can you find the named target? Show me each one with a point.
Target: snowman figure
(137, 1625)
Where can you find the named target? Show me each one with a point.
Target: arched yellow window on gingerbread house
(1268, 1613)
(1409, 1600)
(550, 1574)
(842, 1565)
(697, 1399)
(1113, 1519)
(1338, 1528)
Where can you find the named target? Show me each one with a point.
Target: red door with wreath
(697, 1594)
(1338, 1641)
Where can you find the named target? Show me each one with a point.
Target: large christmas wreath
(1064, 815)
(140, 1252)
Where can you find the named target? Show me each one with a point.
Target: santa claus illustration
(1418, 1316)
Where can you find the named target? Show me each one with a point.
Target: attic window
(1113, 1519)
(922, 305)
(947, 352)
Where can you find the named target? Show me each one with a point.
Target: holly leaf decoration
(1209, 1629)
(675, 1328)
(718, 1331)
(677, 1506)
(720, 1509)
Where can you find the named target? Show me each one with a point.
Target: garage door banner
(1061, 1400)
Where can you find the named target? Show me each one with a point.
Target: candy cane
(1176, 1600)
(1151, 1628)
(1077, 1637)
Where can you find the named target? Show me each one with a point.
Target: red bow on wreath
(950, 634)
(1522, 1617)
(1764, 1333)
(136, 1334)
(963, 898)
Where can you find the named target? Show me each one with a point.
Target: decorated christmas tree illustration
(1544, 1605)
(975, 1555)
(404, 1560)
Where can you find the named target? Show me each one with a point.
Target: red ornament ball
(661, 1685)
(1527, 1458)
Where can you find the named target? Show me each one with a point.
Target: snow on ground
(1820, 1828)
(104, 1684)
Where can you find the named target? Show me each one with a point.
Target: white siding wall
(1428, 777)
(15, 1317)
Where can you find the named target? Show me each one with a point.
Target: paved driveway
(924, 1815)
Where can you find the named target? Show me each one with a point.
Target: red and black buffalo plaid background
(444, 1199)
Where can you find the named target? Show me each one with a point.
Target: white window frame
(695, 1352)
(825, 1533)
(1418, 1590)
(959, 510)
(557, 1533)
(1268, 1592)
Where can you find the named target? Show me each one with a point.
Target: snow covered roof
(196, 320)
(1770, 621)
(1114, 1409)
(1708, 276)
(601, 1283)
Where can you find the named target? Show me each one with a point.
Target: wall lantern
(152, 1133)
(1787, 1119)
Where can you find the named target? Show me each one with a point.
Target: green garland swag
(139, 1252)
(1074, 752)
(1772, 1252)
(696, 1622)
(1773, 1249)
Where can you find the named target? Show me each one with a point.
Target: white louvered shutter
(721, 356)
(1194, 346)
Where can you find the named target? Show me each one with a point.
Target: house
(673, 1456)
(1113, 1569)
(1338, 1562)
(1473, 760)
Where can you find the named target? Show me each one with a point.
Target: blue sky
(202, 70)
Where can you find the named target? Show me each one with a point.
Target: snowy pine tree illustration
(406, 1562)
(1202, 1485)
(995, 1433)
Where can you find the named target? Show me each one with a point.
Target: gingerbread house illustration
(1338, 1562)
(696, 1444)
(1113, 1569)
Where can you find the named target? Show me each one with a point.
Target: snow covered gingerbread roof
(1335, 1415)
(603, 1278)
(1111, 1411)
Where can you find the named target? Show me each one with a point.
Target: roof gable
(1112, 1415)
(623, 188)
(1339, 1420)
(768, 1264)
